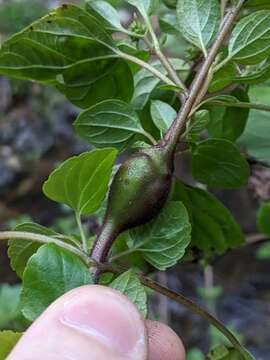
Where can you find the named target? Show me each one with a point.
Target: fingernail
(107, 317)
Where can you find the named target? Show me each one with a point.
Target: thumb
(91, 322)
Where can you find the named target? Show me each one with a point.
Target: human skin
(97, 323)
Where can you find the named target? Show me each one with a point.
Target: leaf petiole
(81, 229)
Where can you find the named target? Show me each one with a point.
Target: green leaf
(19, 251)
(258, 3)
(196, 125)
(9, 304)
(254, 74)
(169, 24)
(107, 13)
(8, 339)
(256, 137)
(227, 122)
(250, 40)
(227, 353)
(170, 3)
(60, 39)
(162, 114)
(68, 49)
(213, 226)
(223, 77)
(81, 182)
(163, 241)
(50, 273)
(145, 82)
(218, 163)
(109, 123)
(145, 7)
(83, 83)
(129, 284)
(199, 21)
(263, 218)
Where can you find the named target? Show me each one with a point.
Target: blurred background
(36, 134)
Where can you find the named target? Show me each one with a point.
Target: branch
(178, 127)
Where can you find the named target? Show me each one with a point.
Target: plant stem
(83, 237)
(146, 66)
(178, 127)
(223, 5)
(180, 299)
(163, 58)
(43, 239)
(239, 104)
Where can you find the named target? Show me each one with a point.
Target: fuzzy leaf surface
(250, 40)
(50, 273)
(163, 240)
(213, 226)
(199, 21)
(70, 49)
(129, 284)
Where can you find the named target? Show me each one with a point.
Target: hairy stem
(179, 125)
(43, 239)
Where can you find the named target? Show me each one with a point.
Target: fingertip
(164, 343)
(89, 322)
